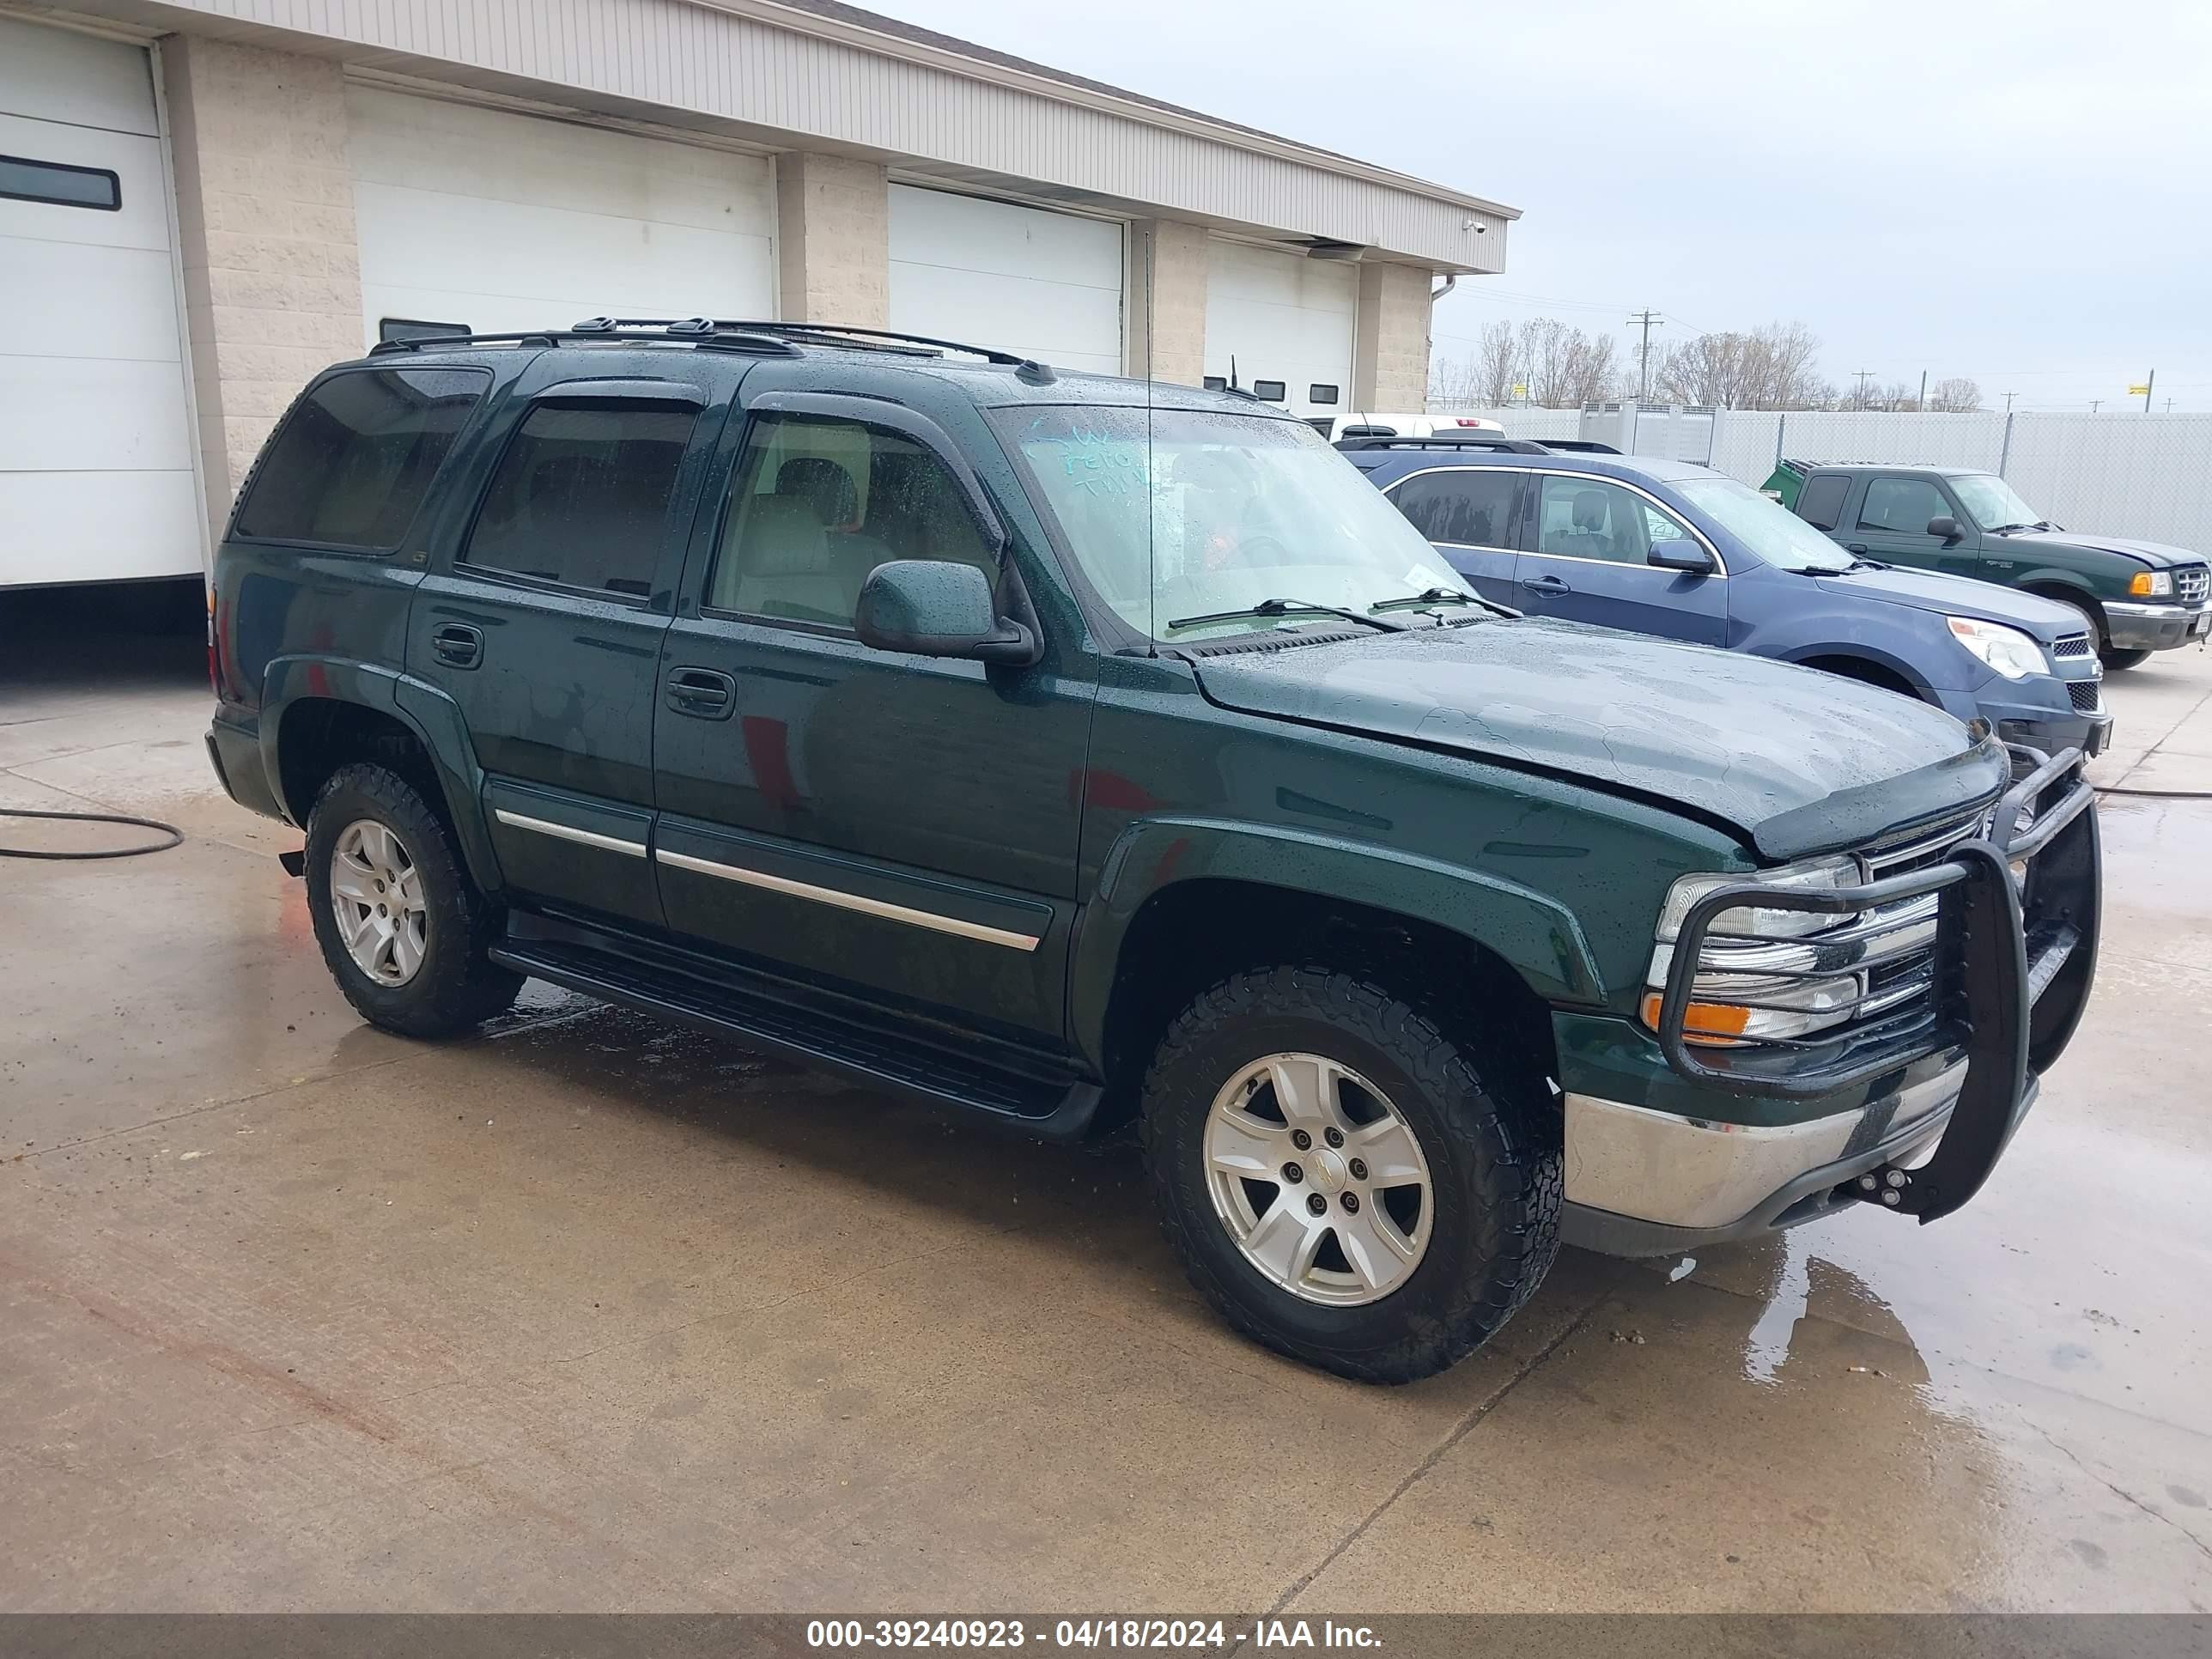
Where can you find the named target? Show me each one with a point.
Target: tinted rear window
(355, 457)
(581, 496)
(1822, 501)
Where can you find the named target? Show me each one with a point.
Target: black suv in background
(1064, 749)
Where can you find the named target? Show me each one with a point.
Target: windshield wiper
(1428, 596)
(1286, 607)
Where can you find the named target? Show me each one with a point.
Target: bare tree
(1899, 397)
(1768, 367)
(1956, 396)
(1497, 354)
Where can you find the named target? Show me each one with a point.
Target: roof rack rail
(700, 331)
(845, 334)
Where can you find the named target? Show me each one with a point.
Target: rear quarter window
(1820, 503)
(353, 460)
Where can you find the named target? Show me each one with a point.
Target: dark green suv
(1078, 752)
(2135, 597)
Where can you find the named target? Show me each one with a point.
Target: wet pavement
(588, 1313)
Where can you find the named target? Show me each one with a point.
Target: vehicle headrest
(1589, 509)
(820, 480)
(782, 537)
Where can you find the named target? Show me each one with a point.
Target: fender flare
(1535, 935)
(424, 709)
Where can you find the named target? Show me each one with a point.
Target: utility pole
(1923, 392)
(2169, 405)
(1647, 320)
(2094, 405)
(2009, 396)
(2149, 381)
(1863, 375)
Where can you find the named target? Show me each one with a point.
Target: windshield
(1242, 509)
(1992, 503)
(1774, 532)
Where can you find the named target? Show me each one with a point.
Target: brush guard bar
(2014, 958)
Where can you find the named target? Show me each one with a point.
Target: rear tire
(1398, 1286)
(403, 929)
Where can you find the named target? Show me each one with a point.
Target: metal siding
(680, 55)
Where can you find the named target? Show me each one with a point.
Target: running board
(715, 999)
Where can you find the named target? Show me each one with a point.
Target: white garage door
(503, 221)
(1047, 285)
(95, 432)
(1286, 320)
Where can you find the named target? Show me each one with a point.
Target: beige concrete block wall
(833, 239)
(1390, 349)
(265, 226)
(1165, 301)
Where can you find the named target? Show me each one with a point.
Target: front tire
(403, 929)
(1425, 1209)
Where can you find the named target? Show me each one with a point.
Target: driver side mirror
(940, 608)
(1680, 553)
(1945, 529)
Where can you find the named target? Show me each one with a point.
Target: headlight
(2014, 654)
(1759, 973)
(2152, 585)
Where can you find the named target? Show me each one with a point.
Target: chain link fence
(2126, 473)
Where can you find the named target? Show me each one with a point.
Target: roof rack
(1496, 442)
(762, 338)
(701, 331)
(842, 335)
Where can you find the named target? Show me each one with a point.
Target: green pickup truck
(2137, 596)
(1066, 751)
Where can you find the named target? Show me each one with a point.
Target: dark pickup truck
(1067, 750)
(2136, 597)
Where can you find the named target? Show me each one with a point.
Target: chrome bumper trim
(1690, 1172)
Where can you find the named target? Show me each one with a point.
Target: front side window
(1902, 506)
(1587, 518)
(818, 504)
(1473, 507)
(356, 456)
(1195, 513)
(581, 496)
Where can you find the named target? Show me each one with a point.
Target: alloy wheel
(1319, 1179)
(376, 895)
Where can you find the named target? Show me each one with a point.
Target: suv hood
(1793, 760)
(2157, 555)
(1957, 596)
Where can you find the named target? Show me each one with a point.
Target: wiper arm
(1443, 596)
(1287, 607)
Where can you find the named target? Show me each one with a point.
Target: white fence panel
(2147, 476)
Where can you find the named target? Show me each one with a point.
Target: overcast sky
(2019, 192)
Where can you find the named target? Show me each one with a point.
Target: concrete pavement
(588, 1313)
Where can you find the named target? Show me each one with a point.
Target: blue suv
(1677, 550)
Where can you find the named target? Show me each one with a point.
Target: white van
(1334, 426)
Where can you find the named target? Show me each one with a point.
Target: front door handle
(1549, 586)
(457, 645)
(705, 694)
(1855, 547)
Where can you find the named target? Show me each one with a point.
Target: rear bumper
(234, 751)
(2130, 627)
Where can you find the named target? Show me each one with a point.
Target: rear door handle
(1549, 586)
(705, 694)
(457, 645)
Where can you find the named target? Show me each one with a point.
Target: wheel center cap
(1330, 1170)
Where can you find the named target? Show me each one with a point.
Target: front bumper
(2015, 958)
(2132, 627)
